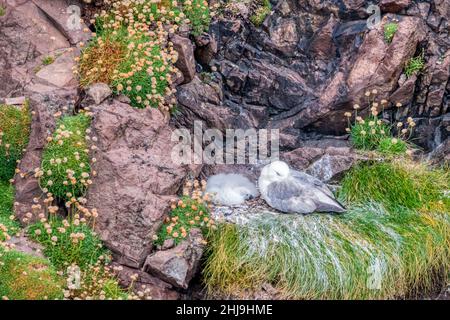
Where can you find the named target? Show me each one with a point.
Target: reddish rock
(405, 93)
(394, 6)
(322, 44)
(186, 60)
(60, 73)
(324, 163)
(97, 93)
(158, 289)
(136, 178)
(65, 15)
(27, 186)
(284, 36)
(178, 265)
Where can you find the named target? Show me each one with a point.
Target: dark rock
(322, 43)
(206, 48)
(405, 93)
(22, 244)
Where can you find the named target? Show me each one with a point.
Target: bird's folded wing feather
(303, 177)
(290, 196)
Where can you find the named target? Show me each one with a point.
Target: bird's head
(276, 171)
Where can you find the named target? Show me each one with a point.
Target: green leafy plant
(2, 11)
(48, 60)
(97, 282)
(68, 242)
(366, 134)
(389, 31)
(65, 168)
(262, 11)
(191, 211)
(26, 277)
(415, 65)
(198, 13)
(186, 214)
(14, 134)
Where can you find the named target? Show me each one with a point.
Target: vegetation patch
(14, 134)
(48, 60)
(8, 225)
(68, 242)
(97, 282)
(372, 133)
(389, 31)
(198, 14)
(25, 277)
(386, 246)
(131, 51)
(65, 169)
(191, 211)
(415, 65)
(396, 184)
(2, 11)
(262, 11)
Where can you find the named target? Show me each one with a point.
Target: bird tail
(330, 204)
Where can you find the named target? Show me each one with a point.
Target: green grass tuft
(395, 184)
(393, 242)
(14, 134)
(367, 253)
(48, 60)
(25, 277)
(389, 31)
(65, 168)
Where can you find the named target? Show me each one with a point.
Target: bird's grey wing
(322, 197)
(290, 197)
(303, 177)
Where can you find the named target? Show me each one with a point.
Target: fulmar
(291, 191)
(230, 189)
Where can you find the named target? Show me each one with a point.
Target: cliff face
(310, 61)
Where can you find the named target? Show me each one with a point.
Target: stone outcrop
(178, 265)
(136, 178)
(311, 61)
(28, 34)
